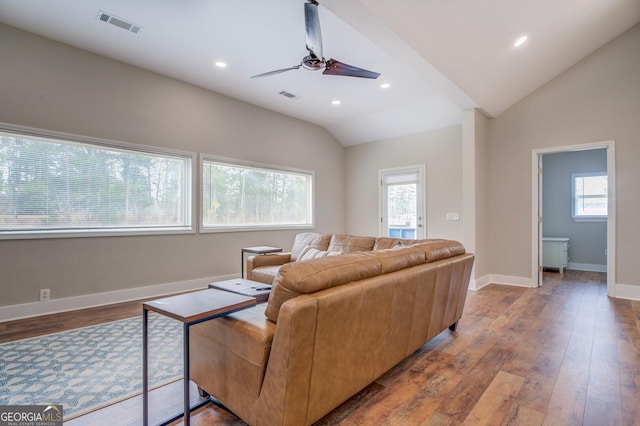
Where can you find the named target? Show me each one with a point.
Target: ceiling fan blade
(312, 24)
(338, 68)
(266, 74)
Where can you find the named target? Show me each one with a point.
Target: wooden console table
(190, 309)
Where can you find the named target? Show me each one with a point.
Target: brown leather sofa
(331, 326)
(264, 268)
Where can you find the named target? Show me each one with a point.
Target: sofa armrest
(273, 259)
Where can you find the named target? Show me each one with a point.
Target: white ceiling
(440, 56)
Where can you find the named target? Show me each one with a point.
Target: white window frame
(260, 166)
(189, 190)
(585, 218)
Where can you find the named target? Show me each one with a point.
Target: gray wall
(440, 150)
(596, 100)
(48, 85)
(52, 86)
(587, 240)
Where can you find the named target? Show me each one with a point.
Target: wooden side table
(190, 309)
(255, 250)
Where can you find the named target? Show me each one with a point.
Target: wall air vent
(288, 95)
(119, 22)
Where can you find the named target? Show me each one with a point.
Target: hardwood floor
(562, 354)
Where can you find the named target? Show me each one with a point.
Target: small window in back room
(589, 191)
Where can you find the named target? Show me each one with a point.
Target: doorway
(402, 203)
(556, 200)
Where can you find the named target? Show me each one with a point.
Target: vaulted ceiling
(438, 57)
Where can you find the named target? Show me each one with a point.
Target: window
(589, 196)
(61, 186)
(237, 197)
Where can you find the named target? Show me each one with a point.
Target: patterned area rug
(89, 368)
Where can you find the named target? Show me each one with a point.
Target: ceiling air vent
(118, 22)
(288, 95)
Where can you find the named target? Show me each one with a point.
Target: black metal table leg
(187, 399)
(145, 368)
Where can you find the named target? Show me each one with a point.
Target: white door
(402, 206)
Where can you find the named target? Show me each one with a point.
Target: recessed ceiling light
(336, 102)
(519, 42)
(385, 85)
(221, 64)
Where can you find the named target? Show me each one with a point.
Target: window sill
(66, 233)
(590, 219)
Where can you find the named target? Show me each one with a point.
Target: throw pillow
(311, 253)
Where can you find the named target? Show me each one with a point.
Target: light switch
(453, 216)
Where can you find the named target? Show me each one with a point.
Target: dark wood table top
(198, 305)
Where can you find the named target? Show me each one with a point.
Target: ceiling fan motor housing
(313, 63)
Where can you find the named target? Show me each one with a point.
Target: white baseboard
(53, 306)
(14, 312)
(472, 284)
(478, 283)
(589, 267)
(625, 291)
(503, 280)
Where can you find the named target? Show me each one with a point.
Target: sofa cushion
(350, 244)
(440, 249)
(265, 274)
(309, 239)
(397, 258)
(311, 253)
(387, 243)
(298, 278)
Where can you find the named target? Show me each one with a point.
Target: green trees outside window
(49, 184)
(239, 196)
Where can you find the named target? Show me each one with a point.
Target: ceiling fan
(315, 61)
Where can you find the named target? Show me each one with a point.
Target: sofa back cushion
(349, 243)
(383, 243)
(298, 278)
(440, 249)
(397, 258)
(309, 239)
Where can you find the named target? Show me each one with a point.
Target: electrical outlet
(44, 294)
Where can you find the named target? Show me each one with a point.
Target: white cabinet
(555, 253)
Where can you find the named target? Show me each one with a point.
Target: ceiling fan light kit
(315, 60)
